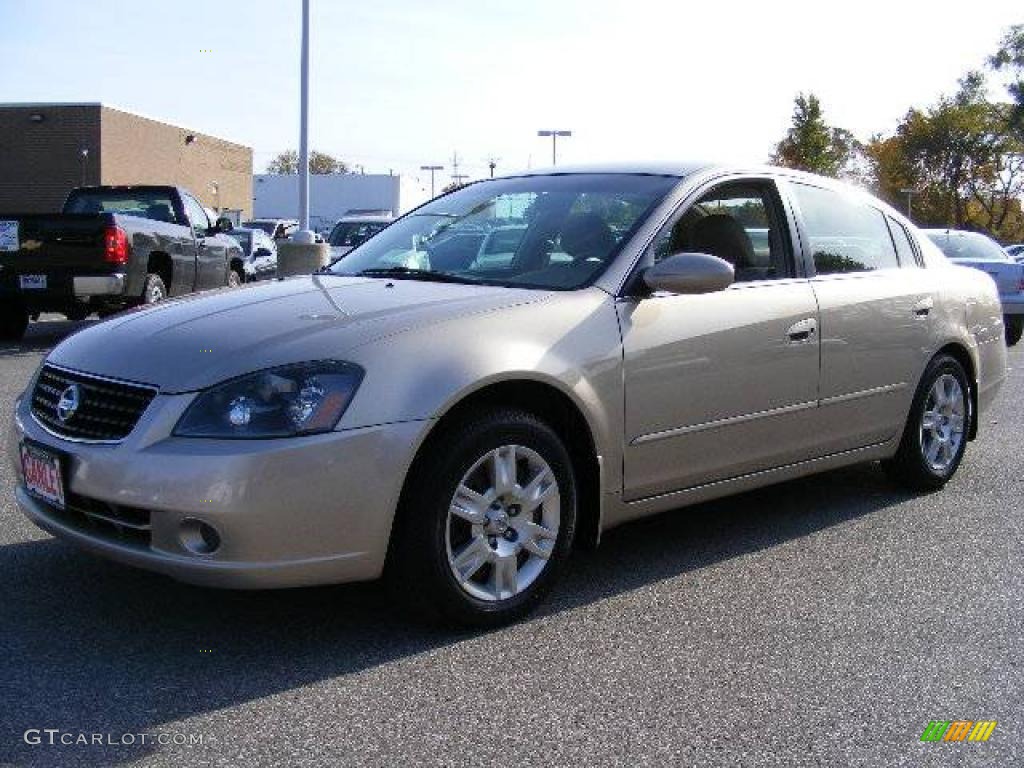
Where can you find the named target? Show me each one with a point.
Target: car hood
(194, 342)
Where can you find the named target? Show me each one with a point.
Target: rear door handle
(802, 331)
(924, 306)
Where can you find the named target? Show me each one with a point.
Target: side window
(739, 222)
(845, 235)
(196, 215)
(904, 248)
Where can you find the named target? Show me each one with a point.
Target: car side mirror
(690, 273)
(224, 224)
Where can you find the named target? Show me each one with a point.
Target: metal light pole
(554, 142)
(304, 123)
(85, 156)
(909, 193)
(431, 168)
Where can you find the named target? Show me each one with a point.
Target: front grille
(106, 410)
(111, 522)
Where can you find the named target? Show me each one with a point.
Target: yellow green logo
(958, 730)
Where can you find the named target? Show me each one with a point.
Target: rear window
(155, 205)
(968, 245)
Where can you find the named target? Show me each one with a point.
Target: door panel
(715, 386)
(876, 333)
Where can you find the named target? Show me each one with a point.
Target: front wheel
(1014, 328)
(486, 523)
(935, 436)
(235, 278)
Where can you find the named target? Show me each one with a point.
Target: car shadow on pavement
(101, 648)
(41, 336)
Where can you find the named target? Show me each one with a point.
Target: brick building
(46, 149)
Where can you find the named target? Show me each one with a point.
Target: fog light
(198, 537)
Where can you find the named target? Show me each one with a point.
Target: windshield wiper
(409, 273)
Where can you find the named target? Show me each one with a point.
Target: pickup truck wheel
(1014, 325)
(235, 279)
(486, 522)
(155, 289)
(13, 323)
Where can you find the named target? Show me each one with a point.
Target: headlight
(300, 399)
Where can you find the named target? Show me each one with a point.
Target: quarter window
(844, 235)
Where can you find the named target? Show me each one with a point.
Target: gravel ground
(825, 622)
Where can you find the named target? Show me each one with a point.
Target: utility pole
(304, 123)
(492, 163)
(431, 168)
(554, 142)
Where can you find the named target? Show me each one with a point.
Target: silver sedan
(645, 338)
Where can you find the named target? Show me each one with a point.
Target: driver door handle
(802, 331)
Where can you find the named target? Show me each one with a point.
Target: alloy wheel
(502, 523)
(942, 423)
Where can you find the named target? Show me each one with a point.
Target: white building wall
(331, 196)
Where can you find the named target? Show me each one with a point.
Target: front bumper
(1013, 303)
(289, 512)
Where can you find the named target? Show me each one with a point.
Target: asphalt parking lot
(821, 622)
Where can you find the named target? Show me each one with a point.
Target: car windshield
(243, 238)
(554, 231)
(352, 233)
(968, 245)
(266, 226)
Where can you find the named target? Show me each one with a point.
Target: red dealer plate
(42, 474)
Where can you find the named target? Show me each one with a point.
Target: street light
(431, 168)
(909, 193)
(304, 125)
(554, 142)
(85, 156)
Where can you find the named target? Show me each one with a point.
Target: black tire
(909, 467)
(418, 570)
(78, 313)
(154, 290)
(13, 322)
(1013, 328)
(235, 278)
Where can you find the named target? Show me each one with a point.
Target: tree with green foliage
(962, 163)
(811, 144)
(1009, 58)
(319, 163)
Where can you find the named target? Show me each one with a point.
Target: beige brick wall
(137, 150)
(41, 161)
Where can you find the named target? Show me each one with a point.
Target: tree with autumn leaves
(960, 160)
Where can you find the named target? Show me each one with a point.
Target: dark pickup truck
(110, 248)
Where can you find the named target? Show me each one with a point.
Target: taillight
(115, 245)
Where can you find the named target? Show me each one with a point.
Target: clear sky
(407, 82)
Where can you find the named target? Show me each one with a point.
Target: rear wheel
(13, 322)
(154, 290)
(1014, 328)
(935, 436)
(486, 523)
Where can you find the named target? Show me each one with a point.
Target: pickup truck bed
(106, 260)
